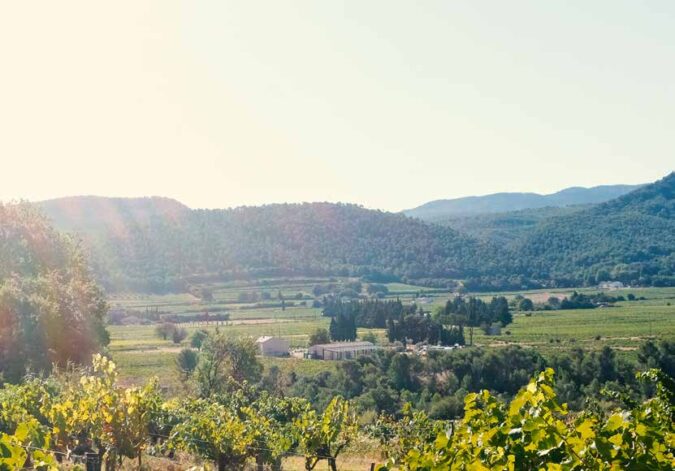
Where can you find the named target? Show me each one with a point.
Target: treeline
(438, 383)
(410, 322)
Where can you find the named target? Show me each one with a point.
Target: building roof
(263, 339)
(344, 345)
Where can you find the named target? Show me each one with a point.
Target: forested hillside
(157, 244)
(631, 239)
(506, 228)
(165, 249)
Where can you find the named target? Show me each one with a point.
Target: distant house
(610, 285)
(272, 346)
(340, 350)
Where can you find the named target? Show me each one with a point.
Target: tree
(165, 330)
(400, 373)
(179, 334)
(499, 311)
(319, 336)
(526, 304)
(186, 361)
(225, 363)
(51, 311)
(325, 436)
(198, 338)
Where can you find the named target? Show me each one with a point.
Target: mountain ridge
(514, 201)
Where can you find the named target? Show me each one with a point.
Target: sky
(388, 104)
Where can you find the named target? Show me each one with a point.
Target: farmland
(140, 353)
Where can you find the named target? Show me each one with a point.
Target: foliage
(535, 432)
(27, 447)
(165, 251)
(212, 431)
(75, 411)
(411, 432)
(225, 363)
(51, 312)
(186, 362)
(197, 339)
(318, 337)
(324, 436)
(95, 409)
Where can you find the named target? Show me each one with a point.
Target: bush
(179, 335)
(319, 336)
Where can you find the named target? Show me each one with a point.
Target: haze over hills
(504, 202)
(156, 244)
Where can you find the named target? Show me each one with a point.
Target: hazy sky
(385, 103)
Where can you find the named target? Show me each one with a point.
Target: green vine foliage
(324, 436)
(75, 412)
(534, 431)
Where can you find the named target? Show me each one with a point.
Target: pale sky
(384, 103)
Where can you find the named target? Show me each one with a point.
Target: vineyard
(77, 418)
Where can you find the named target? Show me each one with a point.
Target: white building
(272, 346)
(611, 285)
(340, 350)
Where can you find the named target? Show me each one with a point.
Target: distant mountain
(158, 244)
(630, 239)
(504, 202)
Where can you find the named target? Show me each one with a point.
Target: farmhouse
(340, 350)
(272, 346)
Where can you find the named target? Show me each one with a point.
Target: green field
(140, 353)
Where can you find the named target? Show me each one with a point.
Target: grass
(623, 327)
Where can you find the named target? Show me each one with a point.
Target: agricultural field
(140, 353)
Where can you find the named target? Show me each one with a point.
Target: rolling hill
(157, 244)
(630, 239)
(505, 202)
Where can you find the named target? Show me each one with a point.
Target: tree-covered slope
(164, 250)
(506, 228)
(631, 239)
(158, 244)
